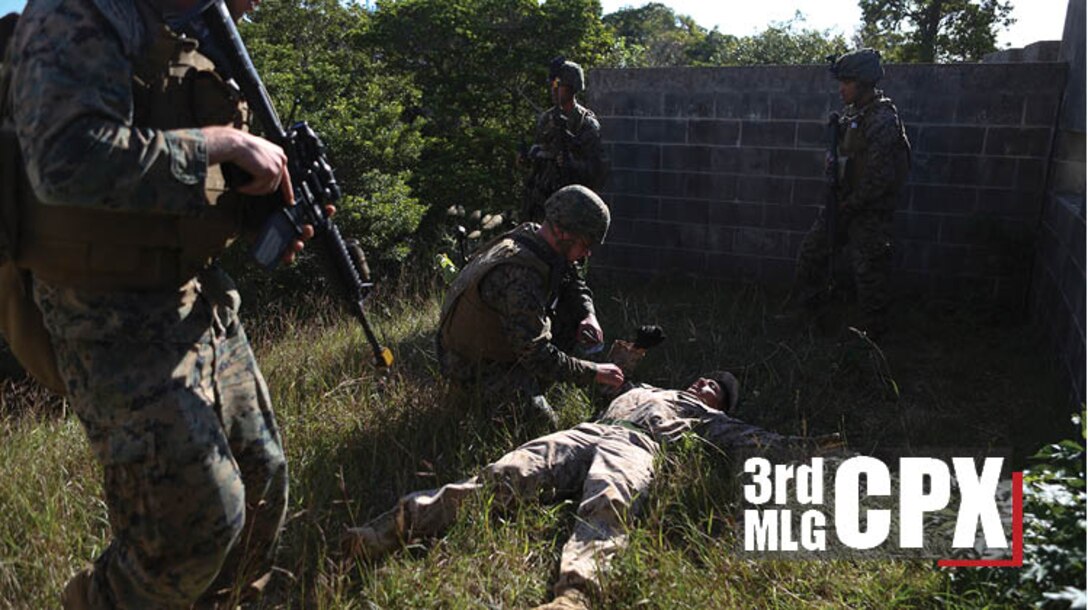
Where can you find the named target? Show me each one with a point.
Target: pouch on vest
(20, 320)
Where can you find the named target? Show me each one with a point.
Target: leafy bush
(1053, 575)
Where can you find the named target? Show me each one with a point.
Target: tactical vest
(174, 87)
(853, 146)
(97, 249)
(470, 327)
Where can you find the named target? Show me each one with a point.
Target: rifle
(311, 176)
(831, 196)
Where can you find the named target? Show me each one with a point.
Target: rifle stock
(312, 178)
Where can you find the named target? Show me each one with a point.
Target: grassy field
(947, 377)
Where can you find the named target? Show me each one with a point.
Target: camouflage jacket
(875, 152)
(72, 63)
(578, 143)
(667, 414)
(523, 302)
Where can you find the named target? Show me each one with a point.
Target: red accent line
(1017, 535)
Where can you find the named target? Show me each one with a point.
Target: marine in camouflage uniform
(146, 331)
(567, 147)
(874, 157)
(608, 465)
(518, 308)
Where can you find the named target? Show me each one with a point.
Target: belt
(623, 423)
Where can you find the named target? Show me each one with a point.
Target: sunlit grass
(356, 440)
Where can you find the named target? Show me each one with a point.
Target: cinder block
(734, 267)
(915, 226)
(957, 140)
(685, 210)
(761, 242)
(799, 163)
(811, 134)
(635, 258)
(779, 133)
(776, 271)
(633, 207)
(633, 103)
(749, 105)
(617, 129)
(1022, 205)
(990, 108)
(942, 199)
(982, 171)
(636, 156)
(665, 131)
(686, 158)
(737, 214)
(1030, 175)
(809, 191)
(1041, 110)
(920, 108)
(930, 168)
(1018, 141)
(720, 239)
(788, 217)
(684, 261)
(713, 132)
(714, 187)
(764, 189)
(689, 104)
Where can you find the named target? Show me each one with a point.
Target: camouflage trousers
(609, 467)
(869, 232)
(178, 415)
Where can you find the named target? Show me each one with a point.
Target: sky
(1036, 19)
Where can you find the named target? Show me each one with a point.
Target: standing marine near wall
(874, 158)
(567, 148)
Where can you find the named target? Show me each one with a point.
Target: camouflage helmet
(579, 210)
(860, 65)
(568, 73)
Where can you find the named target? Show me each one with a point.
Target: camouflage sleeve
(574, 290)
(519, 295)
(72, 99)
(728, 433)
(882, 136)
(589, 164)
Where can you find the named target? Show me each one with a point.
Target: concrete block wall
(1058, 281)
(719, 170)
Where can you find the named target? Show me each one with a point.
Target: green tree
(312, 57)
(481, 67)
(928, 31)
(654, 35)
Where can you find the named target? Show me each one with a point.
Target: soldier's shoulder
(47, 20)
(589, 118)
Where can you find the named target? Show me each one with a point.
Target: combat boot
(77, 593)
(373, 540)
(569, 599)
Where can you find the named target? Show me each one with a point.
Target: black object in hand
(650, 335)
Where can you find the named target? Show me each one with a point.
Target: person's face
(561, 94)
(708, 391)
(577, 246)
(850, 91)
(238, 8)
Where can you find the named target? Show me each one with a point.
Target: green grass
(356, 442)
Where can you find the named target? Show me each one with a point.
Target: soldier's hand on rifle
(264, 161)
(609, 375)
(307, 234)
